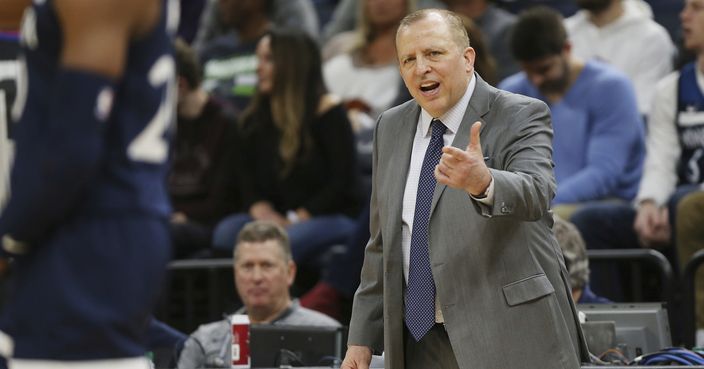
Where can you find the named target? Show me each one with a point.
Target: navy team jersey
(134, 159)
(69, 297)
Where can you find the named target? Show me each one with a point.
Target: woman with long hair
(297, 151)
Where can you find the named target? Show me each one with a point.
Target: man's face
(595, 6)
(692, 17)
(262, 275)
(550, 75)
(434, 68)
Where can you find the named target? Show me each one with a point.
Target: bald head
(454, 24)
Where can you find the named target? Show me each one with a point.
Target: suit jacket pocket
(528, 289)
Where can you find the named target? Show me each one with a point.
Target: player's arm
(54, 168)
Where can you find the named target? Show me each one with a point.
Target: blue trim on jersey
(10, 36)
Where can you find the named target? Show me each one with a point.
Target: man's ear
(469, 56)
(291, 272)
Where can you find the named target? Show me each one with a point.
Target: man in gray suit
(462, 269)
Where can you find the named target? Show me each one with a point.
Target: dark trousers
(433, 350)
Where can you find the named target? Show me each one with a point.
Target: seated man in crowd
(264, 271)
(201, 179)
(576, 261)
(598, 147)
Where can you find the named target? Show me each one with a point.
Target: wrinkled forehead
(269, 249)
(417, 37)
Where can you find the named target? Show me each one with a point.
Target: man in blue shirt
(598, 147)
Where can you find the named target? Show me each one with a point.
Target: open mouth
(429, 87)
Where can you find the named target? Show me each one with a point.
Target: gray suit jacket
(499, 273)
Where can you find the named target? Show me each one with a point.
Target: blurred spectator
(495, 24)
(690, 239)
(298, 14)
(298, 164)
(346, 14)
(576, 261)
(362, 68)
(200, 184)
(333, 294)
(484, 62)
(598, 146)
(264, 271)
(229, 63)
(324, 10)
(623, 33)
(673, 167)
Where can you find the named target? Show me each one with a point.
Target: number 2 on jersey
(150, 145)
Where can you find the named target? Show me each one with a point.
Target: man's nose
(422, 66)
(257, 273)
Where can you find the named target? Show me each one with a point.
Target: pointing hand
(465, 169)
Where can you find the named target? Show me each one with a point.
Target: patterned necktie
(420, 289)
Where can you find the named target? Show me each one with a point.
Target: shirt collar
(453, 117)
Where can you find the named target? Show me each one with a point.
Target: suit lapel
(404, 132)
(479, 104)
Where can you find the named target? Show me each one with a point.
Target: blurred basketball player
(86, 220)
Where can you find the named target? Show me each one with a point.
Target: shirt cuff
(488, 198)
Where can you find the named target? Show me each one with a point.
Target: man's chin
(551, 91)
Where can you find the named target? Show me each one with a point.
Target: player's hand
(652, 225)
(357, 357)
(465, 169)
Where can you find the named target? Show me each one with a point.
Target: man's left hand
(465, 169)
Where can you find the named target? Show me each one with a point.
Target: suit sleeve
(367, 323)
(523, 169)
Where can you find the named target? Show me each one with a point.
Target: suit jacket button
(504, 209)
